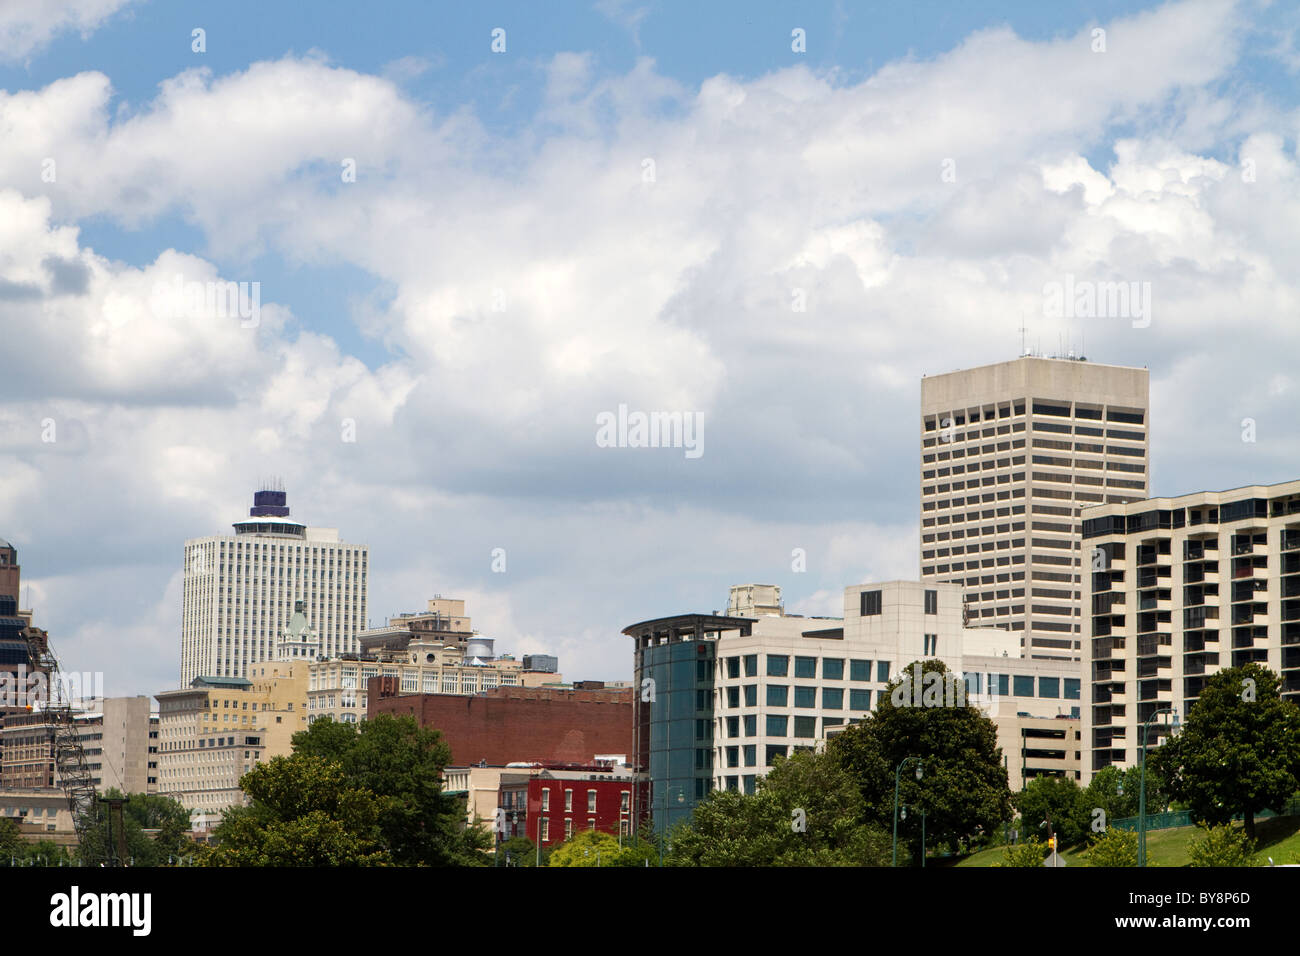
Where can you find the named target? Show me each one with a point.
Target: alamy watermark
(224, 300)
(626, 429)
(1086, 299)
(31, 689)
(919, 688)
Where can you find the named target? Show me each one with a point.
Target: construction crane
(69, 756)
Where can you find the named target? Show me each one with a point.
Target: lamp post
(1142, 785)
(897, 774)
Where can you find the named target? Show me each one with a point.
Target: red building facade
(517, 724)
(560, 804)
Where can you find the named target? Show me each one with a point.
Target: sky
(469, 233)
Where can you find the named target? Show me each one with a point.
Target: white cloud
(26, 26)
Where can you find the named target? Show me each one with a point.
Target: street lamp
(1142, 786)
(897, 774)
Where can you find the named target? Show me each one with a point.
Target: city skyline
(429, 347)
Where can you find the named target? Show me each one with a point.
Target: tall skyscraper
(241, 590)
(1009, 454)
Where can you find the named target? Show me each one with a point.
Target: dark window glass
(859, 670)
(778, 665)
(805, 667)
(870, 603)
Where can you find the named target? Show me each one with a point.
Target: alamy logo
(133, 910)
(947, 689)
(651, 430)
(1086, 299)
(223, 300)
(18, 688)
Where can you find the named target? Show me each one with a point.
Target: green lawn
(1279, 837)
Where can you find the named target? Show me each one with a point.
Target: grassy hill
(1279, 837)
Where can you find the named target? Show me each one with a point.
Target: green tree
(1239, 751)
(1222, 845)
(520, 851)
(402, 765)
(807, 812)
(304, 813)
(1060, 799)
(586, 848)
(963, 791)
(10, 840)
(1114, 847)
(165, 816)
(1031, 852)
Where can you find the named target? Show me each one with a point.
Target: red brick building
(517, 724)
(561, 803)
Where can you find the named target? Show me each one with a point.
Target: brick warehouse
(516, 724)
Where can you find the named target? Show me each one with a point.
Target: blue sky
(502, 271)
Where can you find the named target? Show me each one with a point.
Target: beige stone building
(1182, 587)
(793, 681)
(119, 738)
(1009, 454)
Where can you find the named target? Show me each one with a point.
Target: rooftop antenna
(1022, 330)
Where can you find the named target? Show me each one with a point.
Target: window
(776, 726)
(546, 829)
(751, 726)
(1071, 688)
(733, 668)
(833, 668)
(882, 672)
(751, 695)
(860, 670)
(546, 799)
(733, 756)
(733, 726)
(778, 695)
(805, 696)
(1000, 684)
(773, 752)
(733, 696)
(805, 727)
(1049, 687)
(832, 698)
(591, 801)
(703, 729)
(751, 755)
(568, 829)
(749, 785)
(751, 665)
(859, 699)
(778, 665)
(1024, 686)
(931, 602)
(805, 667)
(931, 644)
(870, 603)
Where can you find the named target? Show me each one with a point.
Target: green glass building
(674, 711)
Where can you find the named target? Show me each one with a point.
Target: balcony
(1154, 601)
(1291, 539)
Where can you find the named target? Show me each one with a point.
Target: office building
(119, 739)
(1182, 587)
(722, 698)
(240, 590)
(1010, 453)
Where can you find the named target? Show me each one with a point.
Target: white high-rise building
(241, 590)
(1010, 453)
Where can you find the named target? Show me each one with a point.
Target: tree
(586, 848)
(1239, 751)
(140, 812)
(304, 813)
(1031, 852)
(1060, 799)
(1222, 845)
(10, 840)
(1114, 847)
(963, 791)
(807, 812)
(520, 851)
(402, 765)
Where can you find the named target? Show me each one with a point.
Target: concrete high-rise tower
(241, 590)
(1009, 454)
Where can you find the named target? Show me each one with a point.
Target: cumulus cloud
(27, 26)
(784, 255)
